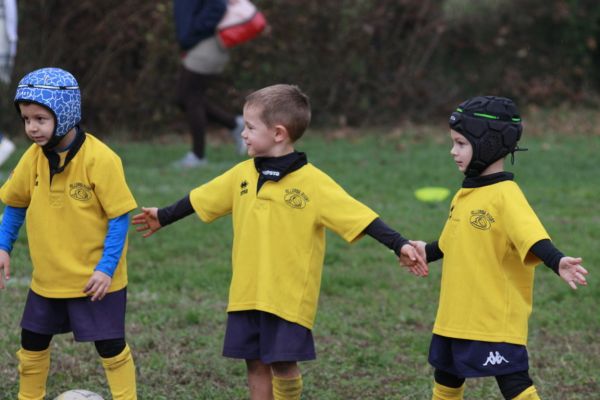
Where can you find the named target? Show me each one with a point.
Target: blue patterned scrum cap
(55, 89)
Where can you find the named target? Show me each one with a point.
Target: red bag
(241, 22)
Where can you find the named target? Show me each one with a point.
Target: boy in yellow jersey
(490, 244)
(70, 189)
(280, 206)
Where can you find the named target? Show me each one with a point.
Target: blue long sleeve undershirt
(114, 242)
(12, 220)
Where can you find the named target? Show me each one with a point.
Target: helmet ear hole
(511, 137)
(491, 147)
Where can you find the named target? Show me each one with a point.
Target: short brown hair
(284, 105)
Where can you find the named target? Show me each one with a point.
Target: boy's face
(39, 122)
(259, 138)
(461, 151)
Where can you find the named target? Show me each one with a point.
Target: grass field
(374, 321)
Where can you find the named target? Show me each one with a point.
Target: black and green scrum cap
(493, 127)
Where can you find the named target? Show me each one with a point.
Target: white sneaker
(190, 160)
(236, 133)
(7, 147)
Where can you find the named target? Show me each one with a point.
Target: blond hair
(282, 105)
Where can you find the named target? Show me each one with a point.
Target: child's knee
(512, 385)
(285, 369)
(110, 348)
(32, 341)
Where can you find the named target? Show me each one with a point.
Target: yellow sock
(528, 394)
(33, 373)
(120, 374)
(441, 392)
(287, 388)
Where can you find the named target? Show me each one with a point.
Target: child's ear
(281, 133)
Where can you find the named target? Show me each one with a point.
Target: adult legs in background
(191, 94)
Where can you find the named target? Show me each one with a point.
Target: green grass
(374, 321)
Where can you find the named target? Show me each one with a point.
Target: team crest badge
(80, 191)
(481, 219)
(295, 198)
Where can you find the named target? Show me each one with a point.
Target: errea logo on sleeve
(244, 187)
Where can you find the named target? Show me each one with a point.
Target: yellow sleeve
(341, 212)
(108, 177)
(214, 199)
(523, 226)
(16, 191)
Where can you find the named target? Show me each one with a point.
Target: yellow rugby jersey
(487, 274)
(67, 219)
(279, 235)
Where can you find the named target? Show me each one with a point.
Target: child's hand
(4, 267)
(412, 259)
(419, 245)
(571, 271)
(148, 221)
(98, 285)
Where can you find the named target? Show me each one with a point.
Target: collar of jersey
(282, 165)
(486, 180)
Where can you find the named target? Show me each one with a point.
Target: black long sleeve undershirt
(385, 235)
(433, 252)
(550, 255)
(544, 250)
(176, 211)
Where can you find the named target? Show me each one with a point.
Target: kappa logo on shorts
(481, 219)
(244, 187)
(80, 191)
(495, 359)
(295, 198)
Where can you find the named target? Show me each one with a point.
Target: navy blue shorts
(473, 358)
(88, 320)
(258, 335)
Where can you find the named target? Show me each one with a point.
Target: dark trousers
(191, 97)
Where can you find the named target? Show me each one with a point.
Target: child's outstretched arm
(571, 271)
(152, 219)
(147, 221)
(414, 260)
(381, 232)
(568, 268)
(429, 252)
